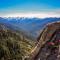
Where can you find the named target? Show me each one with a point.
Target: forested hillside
(12, 46)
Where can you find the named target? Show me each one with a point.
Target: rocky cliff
(45, 36)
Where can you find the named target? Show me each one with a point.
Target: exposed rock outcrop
(46, 35)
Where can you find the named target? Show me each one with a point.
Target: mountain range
(30, 27)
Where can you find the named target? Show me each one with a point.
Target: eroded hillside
(50, 34)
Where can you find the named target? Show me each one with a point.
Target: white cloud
(38, 15)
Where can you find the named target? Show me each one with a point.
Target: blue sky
(29, 6)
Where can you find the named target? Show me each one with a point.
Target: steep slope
(45, 36)
(13, 46)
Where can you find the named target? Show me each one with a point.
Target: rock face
(45, 36)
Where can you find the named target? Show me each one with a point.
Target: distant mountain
(29, 26)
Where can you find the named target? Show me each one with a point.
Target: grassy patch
(12, 47)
